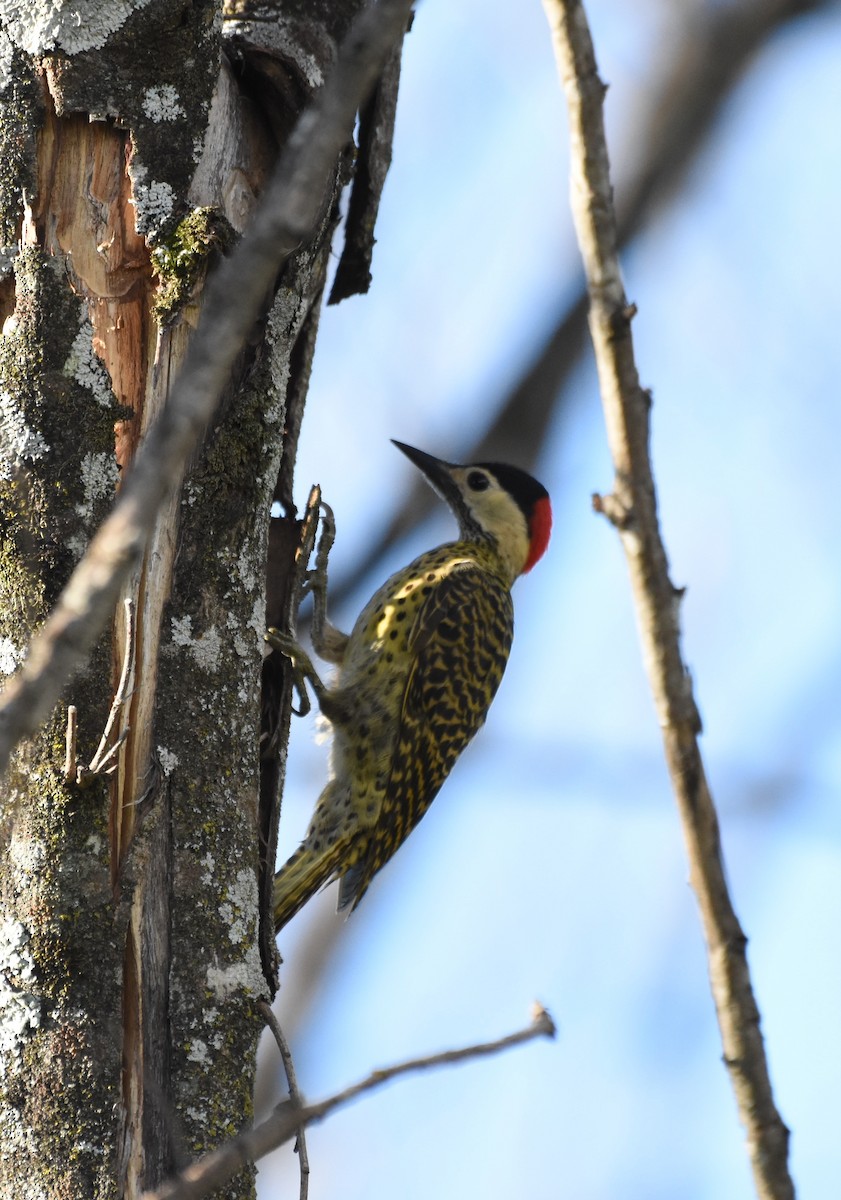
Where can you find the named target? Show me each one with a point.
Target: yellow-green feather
(421, 668)
(305, 873)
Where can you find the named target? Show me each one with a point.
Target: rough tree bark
(133, 146)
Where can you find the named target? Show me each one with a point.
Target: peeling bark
(132, 149)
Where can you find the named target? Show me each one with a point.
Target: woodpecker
(415, 678)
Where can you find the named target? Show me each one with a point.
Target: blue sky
(552, 865)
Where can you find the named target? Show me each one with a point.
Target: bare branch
(294, 1093)
(681, 110)
(216, 1168)
(235, 296)
(633, 510)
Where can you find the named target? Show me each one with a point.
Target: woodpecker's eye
(478, 482)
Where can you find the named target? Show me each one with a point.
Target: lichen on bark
(181, 259)
(66, 966)
(131, 940)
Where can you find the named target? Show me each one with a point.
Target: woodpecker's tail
(302, 876)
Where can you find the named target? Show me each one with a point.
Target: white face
(494, 509)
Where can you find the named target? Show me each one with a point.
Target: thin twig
(104, 761)
(294, 1094)
(70, 743)
(234, 298)
(216, 1168)
(105, 750)
(633, 510)
(682, 105)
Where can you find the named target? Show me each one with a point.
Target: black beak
(436, 470)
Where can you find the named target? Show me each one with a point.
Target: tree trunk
(131, 948)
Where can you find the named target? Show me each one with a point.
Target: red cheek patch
(540, 526)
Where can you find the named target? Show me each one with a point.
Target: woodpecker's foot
(300, 665)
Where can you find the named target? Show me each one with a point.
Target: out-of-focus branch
(697, 78)
(632, 508)
(216, 1168)
(285, 218)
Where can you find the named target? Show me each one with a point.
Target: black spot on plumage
(456, 632)
(460, 638)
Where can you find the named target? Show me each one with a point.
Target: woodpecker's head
(492, 502)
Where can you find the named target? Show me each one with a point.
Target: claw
(284, 642)
(303, 699)
(299, 665)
